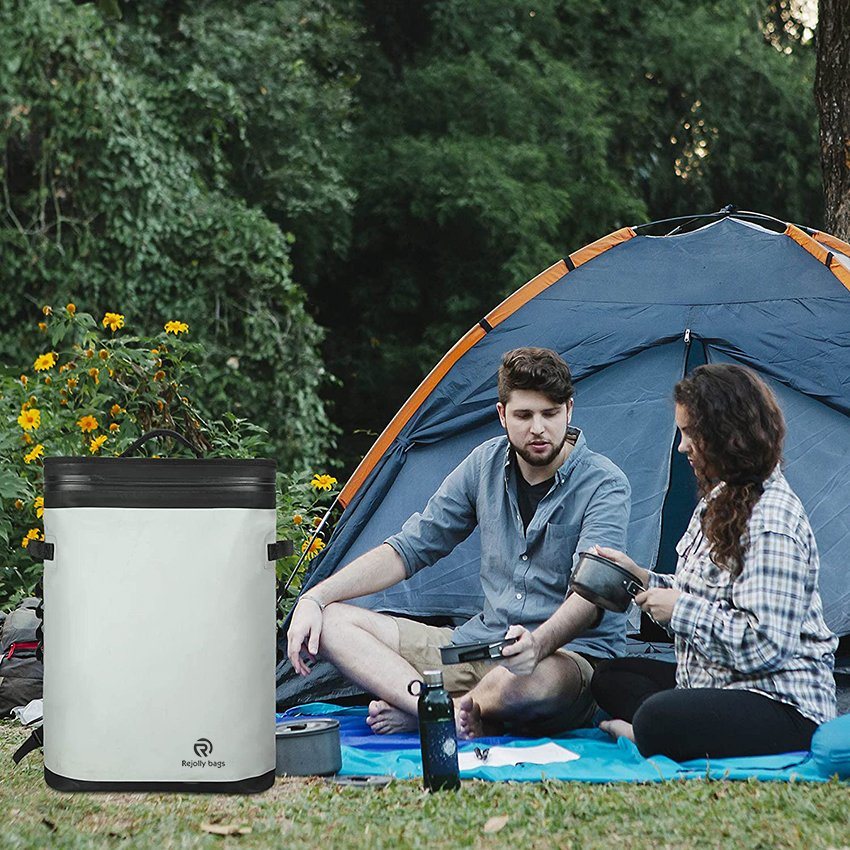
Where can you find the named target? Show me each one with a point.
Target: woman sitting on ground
(754, 657)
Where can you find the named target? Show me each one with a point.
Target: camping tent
(631, 313)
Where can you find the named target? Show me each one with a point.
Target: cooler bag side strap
(40, 550)
(160, 432)
(280, 549)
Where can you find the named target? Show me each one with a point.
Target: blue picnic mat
(600, 758)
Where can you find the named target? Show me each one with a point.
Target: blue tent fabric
(628, 322)
(600, 759)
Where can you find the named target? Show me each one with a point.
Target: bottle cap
(433, 678)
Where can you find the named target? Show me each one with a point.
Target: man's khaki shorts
(419, 645)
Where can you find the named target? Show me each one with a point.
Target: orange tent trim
(832, 242)
(509, 306)
(814, 247)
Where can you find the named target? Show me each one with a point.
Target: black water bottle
(437, 735)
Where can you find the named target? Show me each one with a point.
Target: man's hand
(521, 657)
(305, 629)
(658, 602)
(624, 561)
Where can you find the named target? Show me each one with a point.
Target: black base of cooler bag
(251, 785)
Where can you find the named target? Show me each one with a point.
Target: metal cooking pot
(307, 748)
(606, 584)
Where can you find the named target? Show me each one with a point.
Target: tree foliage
(162, 165)
(492, 138)
(407, 164)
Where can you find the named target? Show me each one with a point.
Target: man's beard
(540, 460)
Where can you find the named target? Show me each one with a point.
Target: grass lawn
(312, 813)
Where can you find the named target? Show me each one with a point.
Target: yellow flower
(71, 382)
(322, 482)
(88, 423)
(42, 326)
(24, 380)
(103, 354)
(38, 504)
(297, 519)
(19, 504)
(47, 310)
(158, 376)
(115, 410)
(96, 443)
(30, 418)
(317, 521)
(95, 373)
(114, 427)
(71, 308)
(34, 454)
(113, 321)
(315, 547)
(28, 439)
(45, 361)
(176, 328)
(89, 352)
(32, 534)
(48, 380)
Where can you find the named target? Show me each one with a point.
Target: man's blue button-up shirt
(524, 573)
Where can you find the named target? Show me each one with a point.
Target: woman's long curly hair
(738, 430)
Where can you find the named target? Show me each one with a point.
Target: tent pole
(306, 550)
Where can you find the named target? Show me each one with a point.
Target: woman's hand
(658, 602)
(624, 561)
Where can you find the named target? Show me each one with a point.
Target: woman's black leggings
(692, 723)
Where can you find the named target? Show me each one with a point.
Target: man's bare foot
(386, 719)
(468, 718)
(618, 729)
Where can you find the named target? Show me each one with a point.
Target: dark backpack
(21, 668)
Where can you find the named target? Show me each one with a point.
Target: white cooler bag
(159, 624)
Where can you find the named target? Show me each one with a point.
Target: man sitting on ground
(539, 495)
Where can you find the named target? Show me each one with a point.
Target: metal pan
(604, 583)
(308, 748)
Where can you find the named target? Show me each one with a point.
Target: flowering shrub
(95, 388)
(301, 504)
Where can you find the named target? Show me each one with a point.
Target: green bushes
(94, 387)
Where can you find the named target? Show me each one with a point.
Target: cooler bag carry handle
(159, 432)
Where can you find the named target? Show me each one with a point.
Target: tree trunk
(832, 94)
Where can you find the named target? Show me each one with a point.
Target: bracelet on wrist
(313, 599)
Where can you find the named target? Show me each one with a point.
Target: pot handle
(633, 588)
(159, 432)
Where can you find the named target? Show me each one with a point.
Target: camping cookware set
(308, 747)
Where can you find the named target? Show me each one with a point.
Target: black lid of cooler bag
(119, 482)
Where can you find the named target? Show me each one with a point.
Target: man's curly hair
(738, 430)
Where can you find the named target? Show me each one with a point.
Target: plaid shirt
(764, 630)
